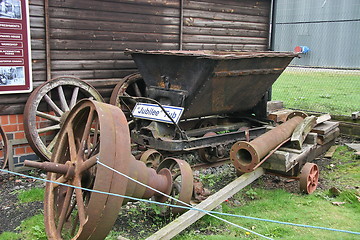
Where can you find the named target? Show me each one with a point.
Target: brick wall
(13, 126)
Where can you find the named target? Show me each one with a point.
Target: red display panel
(15, 52)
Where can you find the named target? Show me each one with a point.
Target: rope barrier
(184, 207)
(138, 199)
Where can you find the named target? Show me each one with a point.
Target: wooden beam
(188, 218)
(323, 118)
(301, 131)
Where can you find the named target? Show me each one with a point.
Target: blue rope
(177, 200)
(184, 207)
(136, 199)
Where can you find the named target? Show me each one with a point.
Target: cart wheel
(4, 147)
(183, 184)
(151, 158)
(132, 85)
(210, 154)
(51, 102)
(75, 213)
(309, 177)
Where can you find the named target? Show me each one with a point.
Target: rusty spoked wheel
(151, 158)
(4, 144)
(47, 109)
(183, 184)
(309, 178)
(132, 85)
(72, 212)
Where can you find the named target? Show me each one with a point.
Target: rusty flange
(51, 102)
(75, 212)
(84, 215)
(182, 181)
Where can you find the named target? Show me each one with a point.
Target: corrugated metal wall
(88, 38)
(331, 30)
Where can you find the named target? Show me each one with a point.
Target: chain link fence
(321, 90)
(327, 76)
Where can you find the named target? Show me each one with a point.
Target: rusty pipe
(246, 155)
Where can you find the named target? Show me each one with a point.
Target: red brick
(19, 150)
(20, 127)
(20, 118)
(4, 119)
(28, 150)
(10, 128)
(13, 118)
(19, 135)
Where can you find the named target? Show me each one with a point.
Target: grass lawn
(331, 92)
(318, 209)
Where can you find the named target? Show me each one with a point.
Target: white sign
(154, 112)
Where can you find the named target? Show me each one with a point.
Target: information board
(15, 54)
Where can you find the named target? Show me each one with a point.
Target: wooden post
(188, 218)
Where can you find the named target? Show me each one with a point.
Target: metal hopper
(210, 82)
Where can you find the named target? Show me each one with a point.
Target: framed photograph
(15, 47)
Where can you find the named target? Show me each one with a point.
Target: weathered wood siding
(88, 38)
(226, 25)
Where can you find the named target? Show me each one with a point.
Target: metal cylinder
(246, 155)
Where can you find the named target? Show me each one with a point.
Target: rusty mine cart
(207, 103)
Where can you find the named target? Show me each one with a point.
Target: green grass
(9, 236)
(29, 229)
(283, 206)
(31, 195)
(328, 92)
(316, 209)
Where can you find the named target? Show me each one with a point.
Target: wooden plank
(331, 151)
(323, 139)
(200, 22)
(94, 15)
(113, 45)
(224, 39)
(323, 118)
(188, 218)
(325, 127)
(301, 131)
(280, 116)
(238, 7)
(209, 14)
(113, 26)
(274, 106)
(284, 161)
(112, 36)
(119, 6)
(224, 32)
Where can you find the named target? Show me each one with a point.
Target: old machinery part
(93, 132)
(133, 86)
(309, 178)
(183, 183)
(212, 80)
(151, 158)
(47, 108)
(246, 155)
(212, 154)
(4, 144)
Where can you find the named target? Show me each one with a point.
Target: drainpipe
(181, 24)
(47, 40)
